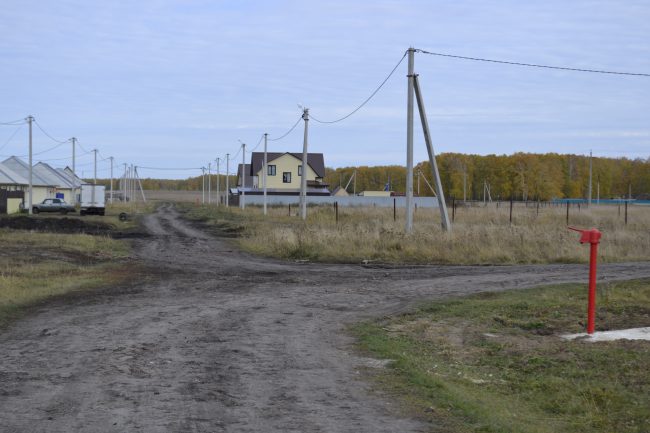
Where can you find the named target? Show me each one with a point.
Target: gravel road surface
(217, 340)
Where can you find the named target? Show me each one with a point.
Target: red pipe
(593, 237)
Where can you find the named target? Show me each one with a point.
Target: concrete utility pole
(94, 177)
(111, 199)
(264, 170)
(30, 119)
(203, 185)
(95, 168)
(409, 143)
(242, 202)
(218, 192)
(354, 191)
(74, 177)
(590, 167)
(124, 195)
(303, 178)
(444, 216)
(227, 180)
(210, 182)
(137, 177)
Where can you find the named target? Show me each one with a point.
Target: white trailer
(92, 199)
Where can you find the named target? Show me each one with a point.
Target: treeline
(523, 176)
(189, 184)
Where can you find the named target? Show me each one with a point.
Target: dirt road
(222, 341)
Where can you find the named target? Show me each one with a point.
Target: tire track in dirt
(224, 341)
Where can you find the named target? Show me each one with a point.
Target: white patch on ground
(622, 334)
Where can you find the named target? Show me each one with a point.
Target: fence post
(394, 209)
(453, 209)
(289, 209)
(511, 204)
(336, 209)
(625, 213)
(567, 212)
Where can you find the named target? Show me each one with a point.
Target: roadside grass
(133, 210)
(480, 235)
(35, 266)
(494, 362)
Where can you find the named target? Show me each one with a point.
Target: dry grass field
(480, 235)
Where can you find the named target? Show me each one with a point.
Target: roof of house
(22, 168)
(315, 161)
(248, 178)
(52, 176)
(69, 174)
(9, 177)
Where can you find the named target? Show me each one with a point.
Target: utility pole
(218, 175)
(264, 170)
(303, 178)
(354, 190)
(137, 177)
(210, 182)
(124, 196)
(442, 205)
(111, 199)
(30, 119)
(94, 177)
(409, 143)
(227, 180)
(242, 202)
(203, 185)
(590, 167)
(74, 173)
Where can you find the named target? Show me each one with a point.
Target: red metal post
(593, 237)
(591, 306)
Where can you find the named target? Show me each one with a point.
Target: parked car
(53, 205)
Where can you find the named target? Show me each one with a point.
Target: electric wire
(14, 122)
(169, 168)
(533, 65)
(366, 100)
(48, 135)
(288, 132)
(20, 126)
(258, 144)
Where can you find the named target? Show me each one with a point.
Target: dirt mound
(55, 225)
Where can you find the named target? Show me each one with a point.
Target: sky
(177, 84)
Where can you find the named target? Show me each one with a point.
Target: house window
(300, 170)
(286, 177)
(271, 170)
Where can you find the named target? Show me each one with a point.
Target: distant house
(376, 193)
(284, 173)
(340, 192)
(12, 190)
(65, 187)
(41, 188)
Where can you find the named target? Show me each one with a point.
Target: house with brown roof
(283, 174)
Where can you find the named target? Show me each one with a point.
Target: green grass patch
(35, 266)
(494, 362)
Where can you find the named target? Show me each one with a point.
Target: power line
(20, 126)
(258, 144)
(288, 132)
(533, 65)
(48, 135)
(366, 100)
(169, 168)
(13, 122)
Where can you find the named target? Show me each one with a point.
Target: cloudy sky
(177, 83)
